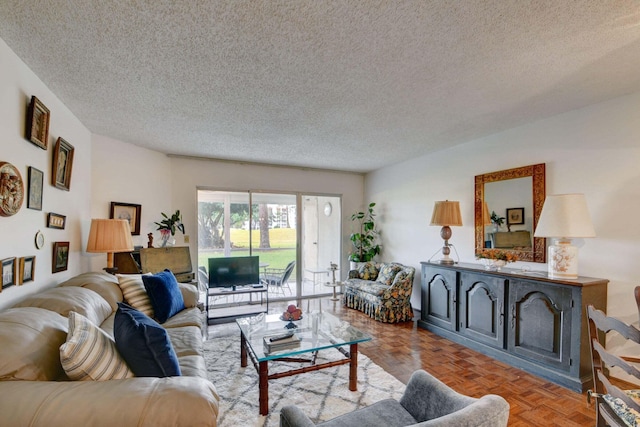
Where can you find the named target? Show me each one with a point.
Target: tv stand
(238, 301)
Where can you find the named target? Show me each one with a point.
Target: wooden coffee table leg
(243, 351)
(264, 388)
(353, 367)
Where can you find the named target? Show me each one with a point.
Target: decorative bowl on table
(292, 313)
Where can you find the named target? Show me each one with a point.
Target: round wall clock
(11, 189)
(39, 240)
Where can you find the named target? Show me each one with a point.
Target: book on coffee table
(281, 344)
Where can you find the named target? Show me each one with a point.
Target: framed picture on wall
(128, 211)
(62, 164)
(34, 199)
(60, 259)
(8, 272)
(37, 125)
(55, 220)
(515, 216)
(27, 268)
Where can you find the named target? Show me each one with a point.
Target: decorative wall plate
(11, 189)
(39, 240)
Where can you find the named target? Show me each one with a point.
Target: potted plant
(364, 243)
(169, 225)
(496, 220)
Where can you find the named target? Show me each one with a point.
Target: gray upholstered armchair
(426, 402)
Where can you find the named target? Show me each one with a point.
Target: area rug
(322, 394)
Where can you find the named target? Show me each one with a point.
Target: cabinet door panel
(439, 293)
(541, 322)
(481, 308)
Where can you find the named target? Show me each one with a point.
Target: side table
(334, 285)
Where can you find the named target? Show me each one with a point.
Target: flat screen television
(234, 271)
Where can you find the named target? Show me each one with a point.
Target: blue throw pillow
(164, 293)
(144, 344)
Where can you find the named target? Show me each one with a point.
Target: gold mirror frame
(537, 172)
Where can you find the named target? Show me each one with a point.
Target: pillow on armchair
(368, 271)
(388, 273)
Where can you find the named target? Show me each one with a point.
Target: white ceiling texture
(343, 85)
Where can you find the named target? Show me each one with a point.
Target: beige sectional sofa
(35, 390)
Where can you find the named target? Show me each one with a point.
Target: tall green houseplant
(364, 243)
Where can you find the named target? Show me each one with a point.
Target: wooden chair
(612, 402)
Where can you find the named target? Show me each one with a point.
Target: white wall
(189, 174)
(17, 85)
(127, 173)
(595, 151)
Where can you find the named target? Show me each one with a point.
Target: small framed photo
(34, 200)
(127, 211)
(62, 164)
(8, 272)
(55, 220)
(515, 216)
(60, 257)
(37, 126)
(27, 268)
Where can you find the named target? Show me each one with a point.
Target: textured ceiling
(346, 85)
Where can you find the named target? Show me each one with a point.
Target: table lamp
(109, 235)
(486, 216)
(564, 217)
(446, 214)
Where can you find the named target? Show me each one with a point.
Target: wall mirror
(515, 195)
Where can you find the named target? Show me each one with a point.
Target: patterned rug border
(322, 394)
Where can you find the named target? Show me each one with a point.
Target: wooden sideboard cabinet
(527, 320)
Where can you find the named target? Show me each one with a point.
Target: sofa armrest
(402, 285)
(292, 416)
(189, 294)
(140, 401)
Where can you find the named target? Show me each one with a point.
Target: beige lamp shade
(565, 215)
(486, 216)
(109, 236)
(446, 213)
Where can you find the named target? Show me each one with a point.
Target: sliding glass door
(270, 225)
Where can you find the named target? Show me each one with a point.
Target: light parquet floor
(402, 348)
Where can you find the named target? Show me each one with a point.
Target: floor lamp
(446, 214)
(109, 236)
(564, 217)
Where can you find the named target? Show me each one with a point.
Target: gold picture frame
(37, 125)
(62, 164)
(8, 272)
(27, 268)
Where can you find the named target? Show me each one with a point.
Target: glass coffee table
(314, 332)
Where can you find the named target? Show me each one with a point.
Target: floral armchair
(381, 290)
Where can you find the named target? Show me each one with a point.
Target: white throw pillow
(135, 293)
(91, 354)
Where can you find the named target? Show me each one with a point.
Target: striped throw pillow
(90, 354)
(135, 294)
